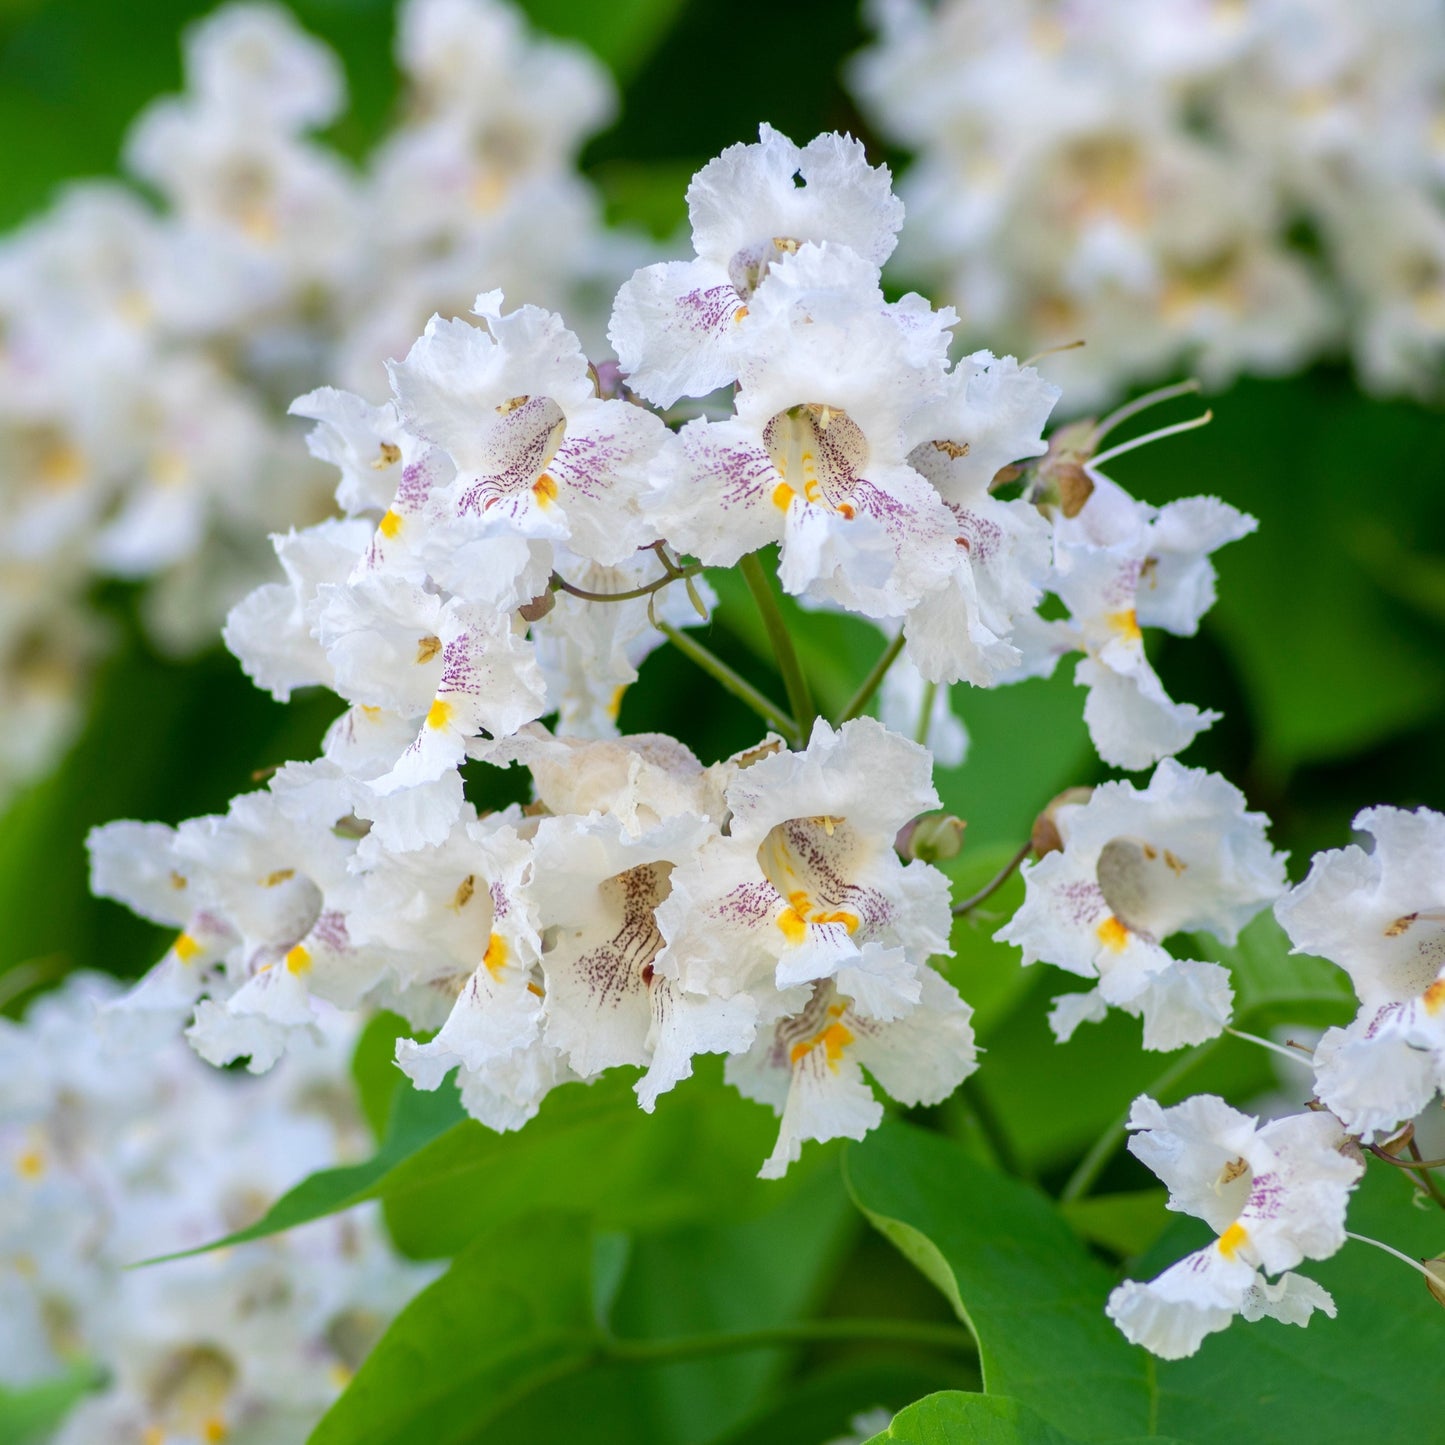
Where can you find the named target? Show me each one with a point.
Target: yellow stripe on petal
(793, 924)
(298, 960)
(1112, 934)
(833, 1040)
(439, 714)
(1126, 624)
(1435, 996)
(495, 958)
(545, 490)
(1231, 1240)
(390, 523)
(185, 947)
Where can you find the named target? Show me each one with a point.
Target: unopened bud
(1435, 1276)
(1046, 837)
(1399, 1140)
(538, 607)
(931, 837)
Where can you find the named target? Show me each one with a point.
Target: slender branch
(952, 1338)
(995, 883)
(1107, 1144)
(925, 714)
(1424, 1177)
(1405, 1163)
(870, 684)
(561, 584)
(800, 698)
(734, 682)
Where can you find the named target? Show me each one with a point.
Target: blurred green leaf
(624, 33)
(30, 1413)
(954, 1415)
(1014, 1272)
(1272, 985)
(512, 1313)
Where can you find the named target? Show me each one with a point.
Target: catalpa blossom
(805, 886)
(1381, 916)
(815, 456)
(1121, 565)
(1274, 1194)
(1137, 866)
(259, 897)
(537, 452)
(808, 1067)
(678, 327)
(989, 415)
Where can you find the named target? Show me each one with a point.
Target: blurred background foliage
(1326, 654)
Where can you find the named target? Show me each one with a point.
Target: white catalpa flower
(1136, 866)
(816, 457)
(1381, 916)
(597, 888)
(463, 668)
(1275, 1195)
(676, 327)
(806, 886)
(537, 453)
(991, 414)
(809, 1065)
(261, 896)
(1120, 566)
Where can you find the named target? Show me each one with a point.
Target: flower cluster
(149, 352)
(513, 546)
(1141, 176)
(120, 1149)
(519, 530)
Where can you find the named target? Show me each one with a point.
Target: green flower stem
(871, 683)
(951, 1338)
(800, 698)
(1083, 1179)
(736, 684)
(925, 713)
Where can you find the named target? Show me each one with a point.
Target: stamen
(1153, 436)
(1390, 1249)
(1298, 1053)
(1143, 403)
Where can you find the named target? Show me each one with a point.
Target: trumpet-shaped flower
(1275, 1195)
(1381, 916)
(678, 327)
(1137, 866)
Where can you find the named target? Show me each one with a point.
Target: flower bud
(1046, 837)
(931, 837)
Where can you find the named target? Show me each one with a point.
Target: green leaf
(512, 1314)
(591, 1149)
(1126, 1224)
(374, 1070)
(1370, 1374)
(953, 1416)
(29, 1414)
(1014, 1272)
